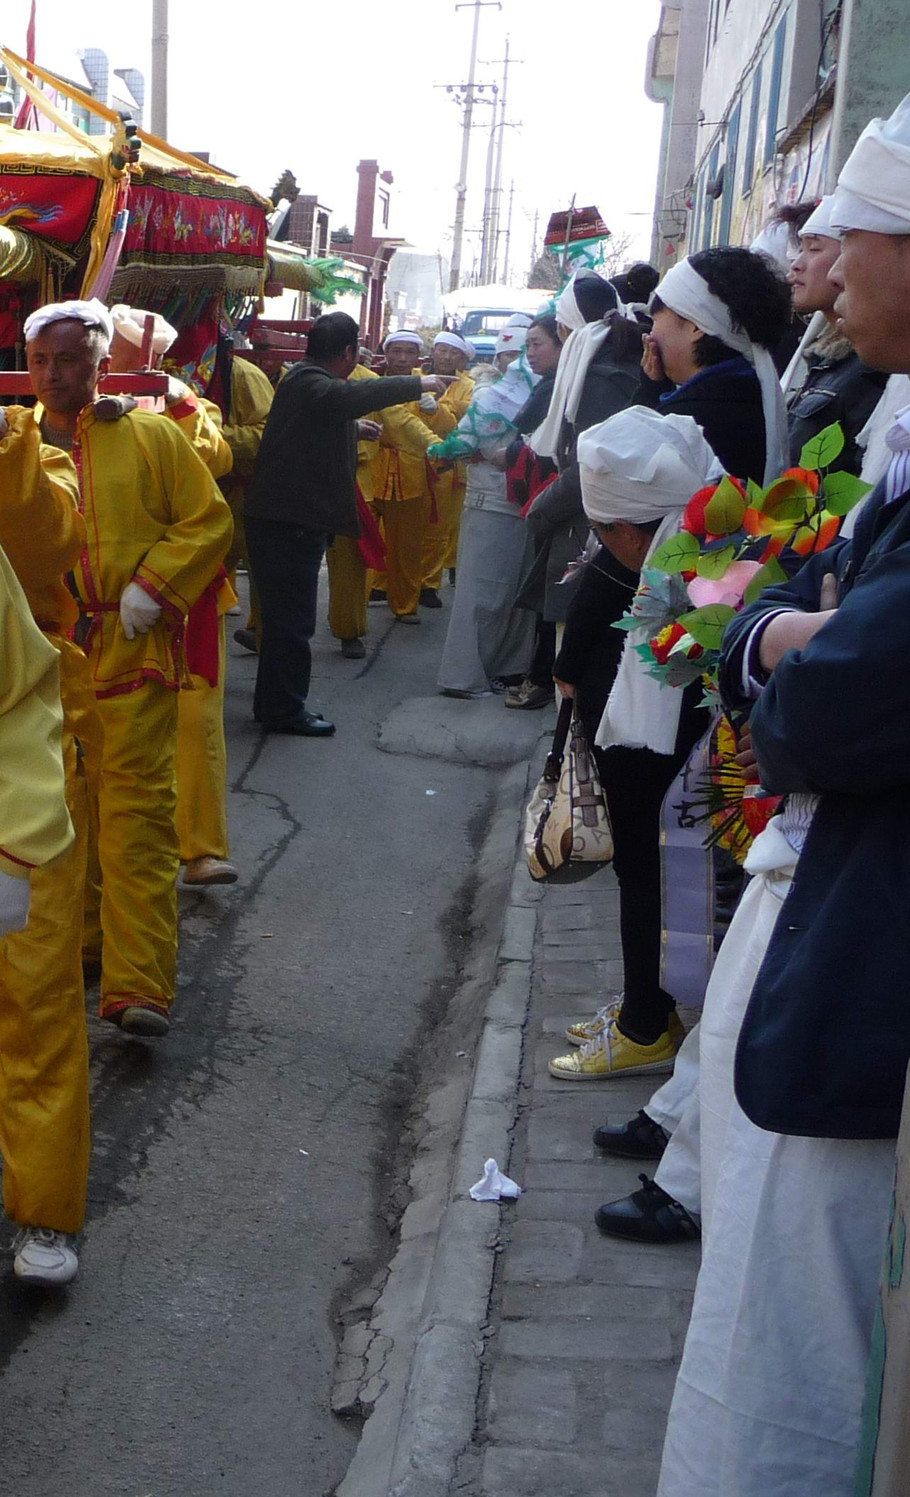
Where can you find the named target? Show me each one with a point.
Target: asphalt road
(193, 1354)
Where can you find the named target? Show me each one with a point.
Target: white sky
(275, 87)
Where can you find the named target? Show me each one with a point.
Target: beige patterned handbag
(567, 826)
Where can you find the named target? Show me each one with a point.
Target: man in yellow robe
(44, 1085)
(402, 489)
(157, 529)
(451, 354)
(201, 748)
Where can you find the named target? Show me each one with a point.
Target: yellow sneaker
(612, 1054)
(588, 1029)
(584, 1030)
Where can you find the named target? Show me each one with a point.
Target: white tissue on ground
(494, 1185)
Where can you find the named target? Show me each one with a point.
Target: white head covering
(873, 189)
(129, 322)
(776, 242)
(404, 336)
(520, 319)
(512, 338)
(578, 352)
(687, 294)
(92, 313)
(642, 466)
(819, 221)
(455, 340)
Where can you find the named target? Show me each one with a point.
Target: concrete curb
(425, 1340)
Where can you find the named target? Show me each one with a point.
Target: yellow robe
(251, 400)
(154, 516)
(44, 1087)
(402, 498)
(201, 749)
(448, 485)
(346, 567)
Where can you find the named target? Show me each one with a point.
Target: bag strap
(560, 738)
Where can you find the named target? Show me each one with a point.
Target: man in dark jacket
(303, 493)
(770, 1391)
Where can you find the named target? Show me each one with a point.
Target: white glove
(15, 894)
(177, 391)
(4, 424)
(429, 403)
(138, 612)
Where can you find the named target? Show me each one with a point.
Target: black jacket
(557, 518)
(306, 467)
(840, 389)
(725, 400)
(825, 1042)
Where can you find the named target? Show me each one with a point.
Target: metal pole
(505, 268)
(487, 250)
(159, 68)
(461, 189)
(497, 184)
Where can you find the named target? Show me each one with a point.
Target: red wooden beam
(152, 383)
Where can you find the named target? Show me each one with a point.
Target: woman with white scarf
(638, 472)
(597, 376)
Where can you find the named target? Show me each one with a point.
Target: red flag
(27, 118)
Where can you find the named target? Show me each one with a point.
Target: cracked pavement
(194, 1353)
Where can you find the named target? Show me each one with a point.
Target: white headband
(873, 189)
(687, 294)
(455, 340)
(512, 339)
(403, 337)
(129, 322)
(819, 221)
(568, 312)
(91, 313)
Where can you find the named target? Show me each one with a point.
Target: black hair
(547, 324)
(637, 283)
(595, 296)
(754, 292)
(331, 335)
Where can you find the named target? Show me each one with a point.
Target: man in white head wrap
(806, 1012)
(451, 356)
(509, 343)
(157, 531)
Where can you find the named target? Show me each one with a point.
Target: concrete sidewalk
(515, 1351)
(589, 1329)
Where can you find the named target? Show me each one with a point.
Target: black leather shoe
(639, 1138)
(307, 725)
(247, 638)
(648, 1215)
(429, 598)
(353, 649)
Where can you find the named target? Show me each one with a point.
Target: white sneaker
(44, 1256)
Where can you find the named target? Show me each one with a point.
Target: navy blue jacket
(825, 1043)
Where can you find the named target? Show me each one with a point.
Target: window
(752, 137)
(777, 69)
(726, 210)
(708, 225)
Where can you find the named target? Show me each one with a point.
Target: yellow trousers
(138, 849)
(440, 546)
(404, 524)
(202, 766)
(44, 1088)
(347, 589)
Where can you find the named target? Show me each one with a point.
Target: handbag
(567, 831)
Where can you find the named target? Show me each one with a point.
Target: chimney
(367, 173)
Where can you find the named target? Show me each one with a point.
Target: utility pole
(497, 183)
(159, 68)
(461, 189)
(486, 251)
(505, 269)
(534, 239)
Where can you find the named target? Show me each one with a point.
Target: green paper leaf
(755, 492)
(714, 564)
(678, 554)
(724, 512)
(772, 572)
(821, 451)
(842, 491)
(706, 625)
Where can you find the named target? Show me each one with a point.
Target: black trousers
(635, 782)
(284, 561)
(540, 671)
